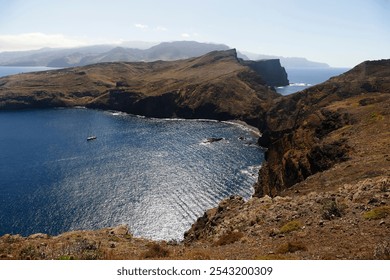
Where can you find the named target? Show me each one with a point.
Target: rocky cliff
(343, 120)
(324, 190)
(214, 86)
(271, 71)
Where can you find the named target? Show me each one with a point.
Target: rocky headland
(214, 86)
(323, 192)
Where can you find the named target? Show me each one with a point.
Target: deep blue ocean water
(302, 78)
(155, 175)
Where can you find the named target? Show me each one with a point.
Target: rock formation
(271, 71)
(324, 189)
(311, 131)
(215, 86)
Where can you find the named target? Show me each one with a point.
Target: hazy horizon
(339, 33)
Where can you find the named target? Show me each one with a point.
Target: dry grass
(155, 251)
(274, 257)
(382, 251)
(291, 247)
(197, 254)
(229, 238)
(331, 209)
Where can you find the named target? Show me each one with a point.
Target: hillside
(323, 192)
(331, 123)
(214, 86)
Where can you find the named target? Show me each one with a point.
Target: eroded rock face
(207, 225)
(306, 133)
(271, 71)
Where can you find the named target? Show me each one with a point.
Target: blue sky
(338, 32)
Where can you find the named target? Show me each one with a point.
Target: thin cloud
(161, 28)
(31, 41)
(141, 26)
(185, 35)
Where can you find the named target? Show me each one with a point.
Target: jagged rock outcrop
(270, 70)
(214, 86)
(311, 131)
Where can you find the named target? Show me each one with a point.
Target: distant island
(288, 62)
(167, 51)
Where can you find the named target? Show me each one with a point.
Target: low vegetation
(377, 213)
(331, 209)
(155, 251)
(229, 238)
(291, 226)
(291, 247)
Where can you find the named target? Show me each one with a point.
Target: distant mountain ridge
(167, 51)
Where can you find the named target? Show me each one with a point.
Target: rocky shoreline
(323, 192)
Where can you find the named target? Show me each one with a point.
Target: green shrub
(66, 258)
(377, 213)
(291, 226)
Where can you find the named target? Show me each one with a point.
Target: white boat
(89, 138)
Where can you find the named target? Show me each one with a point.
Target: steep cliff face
(311, 131)
(326, 179)
(270, 69)
(214, 86)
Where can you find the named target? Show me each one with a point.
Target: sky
(342, 33)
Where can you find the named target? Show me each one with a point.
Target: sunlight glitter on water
(151, 174)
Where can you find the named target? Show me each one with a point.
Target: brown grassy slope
(327, 170)
(212, 86)
(343, 121)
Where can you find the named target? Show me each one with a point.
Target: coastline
(241, 125)
(254, 130)
(314, 189)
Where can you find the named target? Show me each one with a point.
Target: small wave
(207, 142)
(246, 127)
(115, 113)
(186, 120)
(204, 143)
(300, 85)
(67, 159)
(251, 171)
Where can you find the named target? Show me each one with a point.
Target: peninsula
(216, 86)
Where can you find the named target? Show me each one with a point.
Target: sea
(11, 70)
(155, 175)
(302, 78)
